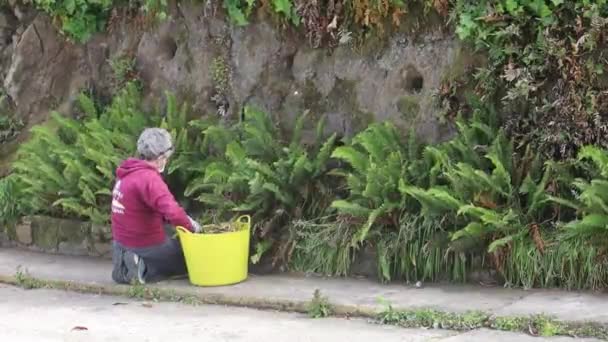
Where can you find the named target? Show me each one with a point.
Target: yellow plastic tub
(217, 259)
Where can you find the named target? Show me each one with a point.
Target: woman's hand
(195, 226)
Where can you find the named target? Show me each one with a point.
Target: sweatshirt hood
(132, 165)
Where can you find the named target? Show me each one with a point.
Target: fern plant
(67, 168)
(11, 208)
(590, 200)
(221, 180)
(572, 256)
(252, 170)
(491, 196)
(378, 162)
(488, 198)
(187, 155)
(378, 166)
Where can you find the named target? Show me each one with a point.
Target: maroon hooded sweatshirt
(141, 204)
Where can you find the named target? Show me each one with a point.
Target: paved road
(49, 315)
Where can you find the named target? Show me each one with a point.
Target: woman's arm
(157, 196)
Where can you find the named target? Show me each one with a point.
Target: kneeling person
(143, 248)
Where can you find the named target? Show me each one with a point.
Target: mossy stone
(409, 107)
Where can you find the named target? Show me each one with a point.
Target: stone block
(72, 231)
(52, 234)
(4, 239)
(70, 248)
(365, 264)
(101, 232)
(63, 236)
(103, 249)
(23, 232)
(45, 233)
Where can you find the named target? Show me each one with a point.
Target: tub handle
(183, 230)
(244, 219)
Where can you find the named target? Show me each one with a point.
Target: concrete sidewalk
(293, 293)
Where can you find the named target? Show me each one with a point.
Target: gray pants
(162, 261)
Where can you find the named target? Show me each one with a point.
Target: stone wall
(59, 236)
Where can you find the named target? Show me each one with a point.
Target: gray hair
(154, 143)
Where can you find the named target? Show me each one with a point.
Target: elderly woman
(144, 250)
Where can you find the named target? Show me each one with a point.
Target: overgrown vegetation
(319, 306)
(9, 127)
(10, 208)
(79, 20)
(546, 66)
(537, 325)
(324, 22)
(220, 73)
(429, 212)
(123, 68)
(332, 22)
(521, 188)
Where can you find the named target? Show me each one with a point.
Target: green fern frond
(378, 139)
(324, 154)
(473, 229)
(217, 137)
(565, 202)
(355, 158)
(371, 220)
(434, 201)
(598, 156)
(588, 225)
(301, 170)
(502, 242)
(263, 169)
(296, 137)
(68, 127)
(279, 193)
(350, 208)
(320, 132)
(87, 105)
